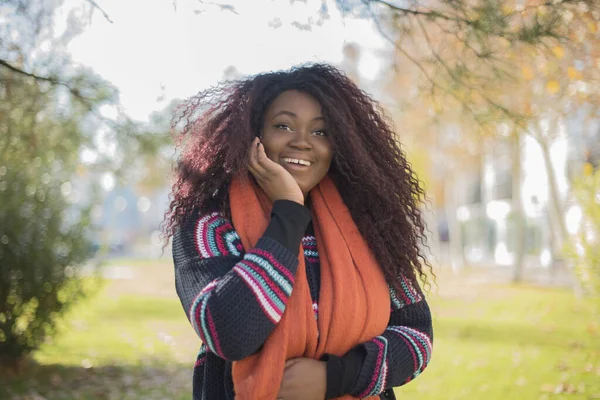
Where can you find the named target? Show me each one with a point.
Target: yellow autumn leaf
(527, 72)
(552, 87)
(558, 51)
(592, 27)
(588, 169)
(573, 73)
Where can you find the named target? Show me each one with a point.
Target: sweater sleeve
(392, 359)
(234, 298)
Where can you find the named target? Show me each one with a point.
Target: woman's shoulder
(408, 293)
(213, 234)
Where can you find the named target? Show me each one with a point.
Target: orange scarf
(354, 302)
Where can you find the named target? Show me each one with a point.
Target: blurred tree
(51, 114)
(559, 82)
(460, 46)
(552, 84)
(44, 229)
(502, 66)
(151, 168)
(350, 61)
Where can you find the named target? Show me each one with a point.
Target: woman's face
(295, 136)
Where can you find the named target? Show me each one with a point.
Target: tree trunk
(557, 218)
(457, 259)
(517, 209)
(556, 207)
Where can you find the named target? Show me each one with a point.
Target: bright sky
(151, 44)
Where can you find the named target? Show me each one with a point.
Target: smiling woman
(296, 232)
(294, 135)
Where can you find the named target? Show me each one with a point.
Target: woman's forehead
(294, 101)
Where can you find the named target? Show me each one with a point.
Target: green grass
(113, 347)
(491, 342)
(113, 329)
(511, 343)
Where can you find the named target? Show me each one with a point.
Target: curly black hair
(369, 168)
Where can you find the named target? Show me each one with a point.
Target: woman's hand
(275, 180)
(303, 379)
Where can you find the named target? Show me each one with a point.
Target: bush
(43, 227)
(50, 112)
(39, 252)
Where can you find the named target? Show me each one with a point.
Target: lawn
(132, 341)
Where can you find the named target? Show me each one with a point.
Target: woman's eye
(283, 127)
(320, 133)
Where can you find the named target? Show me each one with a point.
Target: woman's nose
(301, 140)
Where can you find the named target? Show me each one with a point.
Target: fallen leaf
(576, 345)
(547, 388)
(562, 366)
(560, 388)
(570, 388)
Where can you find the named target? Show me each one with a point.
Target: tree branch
(474, 23)
(97, 7)
(428, 14)
(460, 81)
(31, 75)
(74, 91)
(86, 102)
(432, 81)
(438, 15)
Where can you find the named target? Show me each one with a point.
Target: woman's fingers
(252, 150)
(264, 161)
(255, 168)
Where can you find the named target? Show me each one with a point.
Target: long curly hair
(216, 127)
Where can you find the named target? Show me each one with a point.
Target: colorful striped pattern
(409, 295)
(418, 343)
(201, 358)
(215, 236)
(378, 380)
(309, 244)
(270, 281)
(202, 320)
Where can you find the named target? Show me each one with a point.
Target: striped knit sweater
(234, 297)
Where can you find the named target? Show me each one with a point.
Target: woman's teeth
(296, 161)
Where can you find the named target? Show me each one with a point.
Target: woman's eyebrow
(293, 115)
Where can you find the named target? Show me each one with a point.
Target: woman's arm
(392, 359)
(233, 298)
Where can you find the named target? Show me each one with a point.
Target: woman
(296, 233)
